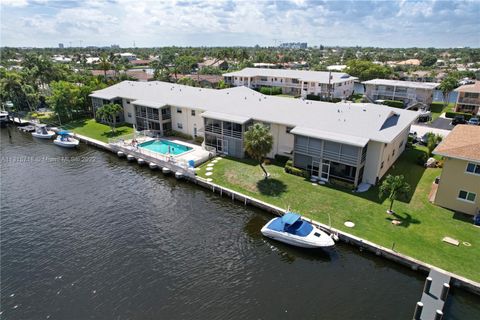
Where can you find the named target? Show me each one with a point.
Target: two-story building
(409, 92)
(295, 82)
(459, 185)
(349, 142)
(468, 99)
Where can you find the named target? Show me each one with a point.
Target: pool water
(164, 147)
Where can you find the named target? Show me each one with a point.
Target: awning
(330, 136)
(225, 117)
(290, 218)
(150, 104)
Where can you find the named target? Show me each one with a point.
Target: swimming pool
(164, 147)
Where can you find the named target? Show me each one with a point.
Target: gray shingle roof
(351, 121)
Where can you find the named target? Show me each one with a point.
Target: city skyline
(45, 23)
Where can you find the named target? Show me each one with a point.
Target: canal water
(85, 235)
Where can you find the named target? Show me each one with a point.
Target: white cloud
(14, 3)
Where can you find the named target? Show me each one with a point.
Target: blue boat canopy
(63, 133)
(290, 218)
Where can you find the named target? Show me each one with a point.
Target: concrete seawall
(414, 264)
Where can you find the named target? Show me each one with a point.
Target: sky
(155, 23)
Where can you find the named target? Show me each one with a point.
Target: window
(381, 165)
(473, 168)
(193, 113)
(179, 110)
(288, 129)
(401, 144)
(393, 153)
(129, 114)
(466, 196)
(179, 125)
(128, 101)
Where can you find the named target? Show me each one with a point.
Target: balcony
(224, 132)
(388, 93)
(475, 101)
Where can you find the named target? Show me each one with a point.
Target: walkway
(434, 296)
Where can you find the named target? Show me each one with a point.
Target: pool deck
(196, 153)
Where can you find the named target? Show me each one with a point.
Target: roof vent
(245, 98)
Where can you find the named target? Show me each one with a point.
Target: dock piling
(438, 315)
(445, 289)
(418, 311)
(428, 285)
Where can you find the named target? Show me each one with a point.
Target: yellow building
(459, 186)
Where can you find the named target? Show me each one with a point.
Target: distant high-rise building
(115, 46)
(60, 45)
(294, 45)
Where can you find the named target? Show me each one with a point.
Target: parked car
(474, 121)
(458, 120)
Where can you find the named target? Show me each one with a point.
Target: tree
(447, 85)
(366, 70)
(432, 141)
(428, 61)
(65, 98)
(104, 65)
(108, 113)
(392, 187)
(258, 142)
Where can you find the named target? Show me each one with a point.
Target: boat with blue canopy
(292, 229)
(65, 139)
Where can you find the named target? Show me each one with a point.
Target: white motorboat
(291, 229)
(65, 140)
(42, 132)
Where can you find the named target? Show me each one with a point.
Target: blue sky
(45, 23)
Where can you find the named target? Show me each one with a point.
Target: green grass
(423, 224)
(437, 108)
(95, 130)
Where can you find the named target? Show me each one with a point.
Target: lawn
(95, 130)
(437, 108)
(419, 235)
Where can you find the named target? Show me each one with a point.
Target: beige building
(459, 186)
(468, 99)
(347, 142)
(409, 92)
(295, 82)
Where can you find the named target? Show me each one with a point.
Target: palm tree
(432, 141)
(258, 142)
(105, 65)
(392, 187)
(108, 113)
(446, 86)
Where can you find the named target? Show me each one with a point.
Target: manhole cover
(349, 224)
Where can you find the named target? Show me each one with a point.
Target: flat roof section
(225, 117)
(406, 84)
(304, 75)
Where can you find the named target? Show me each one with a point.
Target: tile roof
(474, 87)
(462, 143)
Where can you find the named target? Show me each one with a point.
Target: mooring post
(418, 311)
(245, 201)
(438, 315)
(445, 289)
(221, 192)
(428, 284)
(393, 246)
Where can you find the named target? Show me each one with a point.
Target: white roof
(399, 83)
(351, 121)
(147, 103)
(225, 117)
(304, 75)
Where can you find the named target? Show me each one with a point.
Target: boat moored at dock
(42, 132)
(65, 140)
(291, 229)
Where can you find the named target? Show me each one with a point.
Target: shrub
(182, 135)
(270, 90)
(341, 183)
(199, 139)
(394, 104)
(422, 159)
(289, 168)
(282, 160)
(452, 115)
(313, 97)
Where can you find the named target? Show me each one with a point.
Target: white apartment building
(295, 82)
(349, 142)
(409, 92)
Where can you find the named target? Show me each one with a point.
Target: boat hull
(66, 144)
(311, 241)
(43, 136)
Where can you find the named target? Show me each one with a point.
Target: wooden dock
(434, 296)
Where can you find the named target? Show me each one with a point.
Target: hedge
(289, 168)
(394, 104)
(182, 135)
(270, 90)
(314, 97)
(452, 115)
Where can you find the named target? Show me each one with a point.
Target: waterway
(85, 235)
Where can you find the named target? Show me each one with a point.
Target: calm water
(104, 239)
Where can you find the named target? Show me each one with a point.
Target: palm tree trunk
(264, 171)
(391, 204)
